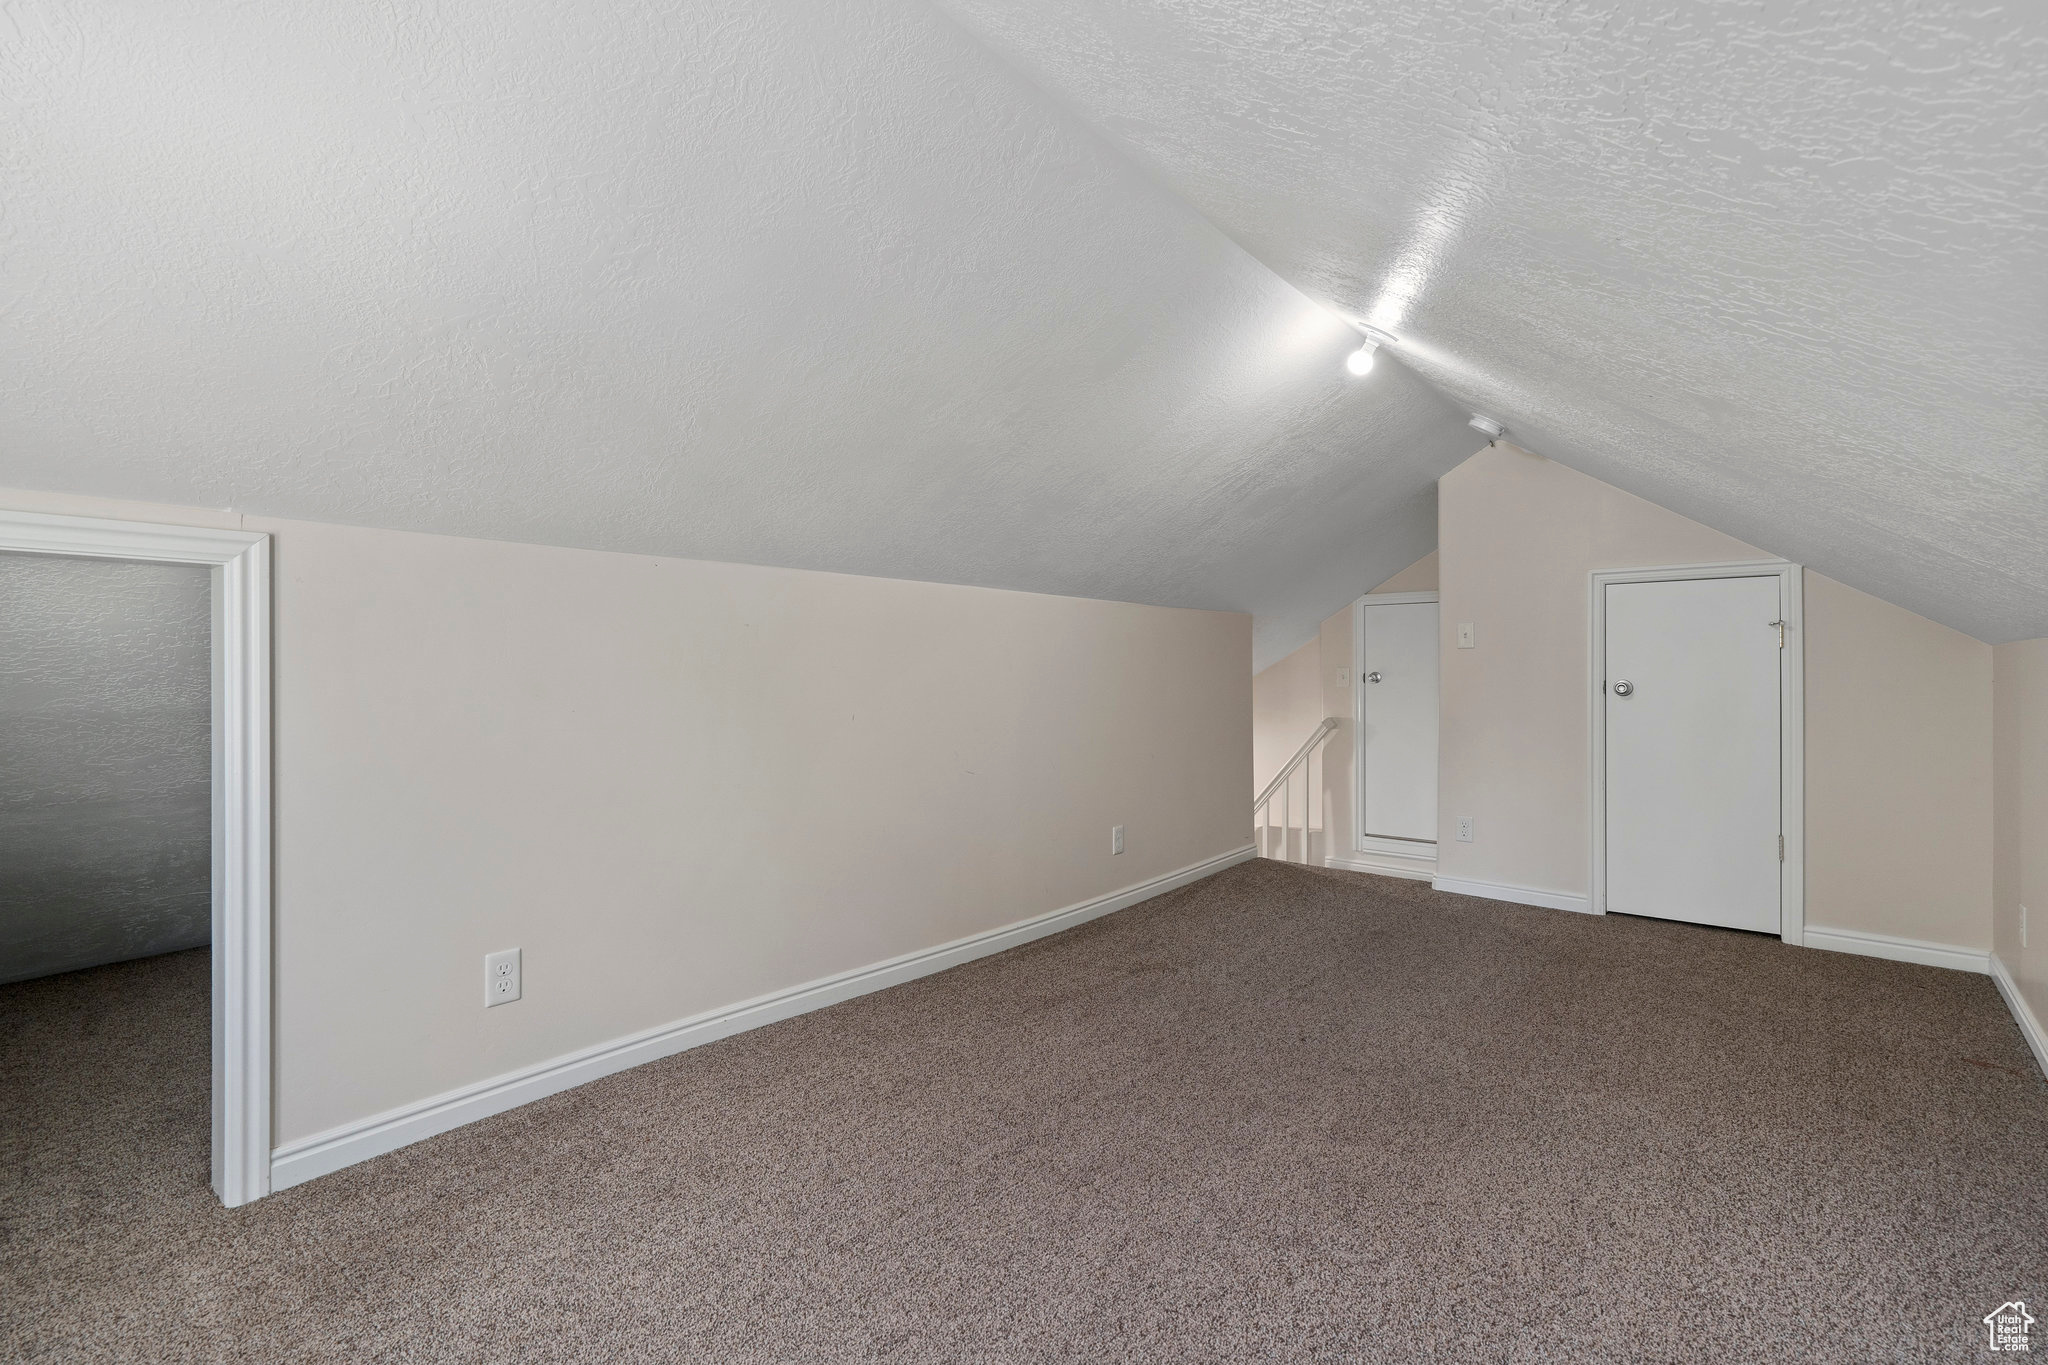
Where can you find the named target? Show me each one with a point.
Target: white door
(1398, 721)
(1693, 727)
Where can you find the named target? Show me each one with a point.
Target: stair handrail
(1300, 757)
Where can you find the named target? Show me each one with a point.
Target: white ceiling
(1780, 267)
(831, 285)
(822, 285)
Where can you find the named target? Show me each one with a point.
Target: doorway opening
(154, 894)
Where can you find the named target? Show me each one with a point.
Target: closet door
(1398, 720)
(1691, 703)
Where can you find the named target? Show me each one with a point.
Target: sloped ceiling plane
(1050, 297)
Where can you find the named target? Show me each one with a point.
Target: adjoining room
(106, 901)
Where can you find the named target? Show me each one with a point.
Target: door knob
(1372, 677)
(1624, 688)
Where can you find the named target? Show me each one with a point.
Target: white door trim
(1408, 849)
(1791, 723)
(241, 807)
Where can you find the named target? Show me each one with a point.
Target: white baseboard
(1384, 865)
(300, 1161)
(2022, 1013)
(1519, 895)
(1898, 949)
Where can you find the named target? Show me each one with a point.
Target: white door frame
(1415, 857)
(1791, 723)
(241, 807)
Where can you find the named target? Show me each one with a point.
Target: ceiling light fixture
(1360, 361)
(1486, 425)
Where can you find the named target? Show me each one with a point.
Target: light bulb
(1360, 360)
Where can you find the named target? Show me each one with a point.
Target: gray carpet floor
(1280, 1115)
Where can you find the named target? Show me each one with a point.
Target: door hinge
(1781, 633)
(1781, 848)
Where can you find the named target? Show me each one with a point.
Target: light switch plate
(1464, 635)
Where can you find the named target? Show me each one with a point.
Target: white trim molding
(2022, 1013)
(1407, 851)
(1899, 949)
(1395, 599)
(1385, 865)
(1791, 723)
(297, 1162)
(1517, 895)
(241, 807)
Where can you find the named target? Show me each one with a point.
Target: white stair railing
(1282, 786)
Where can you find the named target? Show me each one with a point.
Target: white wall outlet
(1464, 829)
(501, 977)
(1116, 839)
(1464, 635)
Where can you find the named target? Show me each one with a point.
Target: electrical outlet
(1464, 635)
(1116, 839)
(1464, 829)
(501, 977)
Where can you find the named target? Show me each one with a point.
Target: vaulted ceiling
(820, 285)
(1781, 267)
(1047, 298)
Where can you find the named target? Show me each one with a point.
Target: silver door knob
(1624, 688)
(1372, 677)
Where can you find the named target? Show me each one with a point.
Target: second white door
(1691, 705)
(1398, 720)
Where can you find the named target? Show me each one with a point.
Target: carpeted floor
(1281, 1115)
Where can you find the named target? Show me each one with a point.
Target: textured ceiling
(1780, 267)
(823, 285)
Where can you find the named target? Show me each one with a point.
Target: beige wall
(677, 785)
(1287, 705)
(1518, 536)
(1898, 771)
(1898, 753)
(1421, 576)
(1292, 697)
(2021, 782)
